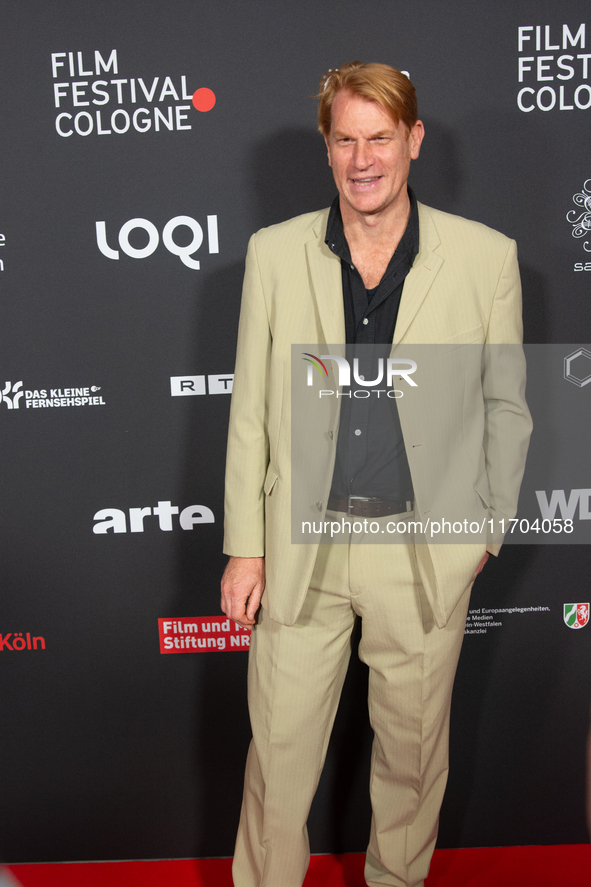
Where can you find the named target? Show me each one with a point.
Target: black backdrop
(111, 750)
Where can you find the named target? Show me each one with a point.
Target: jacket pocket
(481, 487)
(473, 336)
(270, 480)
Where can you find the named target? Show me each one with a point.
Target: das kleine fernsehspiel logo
(39, 398)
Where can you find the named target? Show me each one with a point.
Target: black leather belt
(358, 506)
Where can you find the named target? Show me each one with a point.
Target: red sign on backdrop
(202, 634)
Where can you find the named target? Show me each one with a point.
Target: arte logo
(577, 367)
(188, 386)
(41, 398)
(556, 62)
(401, 368)
(203, 634)
(99, 95)
(576, 615)
(21, 641)
(115, 520)
(183, 251)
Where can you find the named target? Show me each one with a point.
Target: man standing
(376, 268)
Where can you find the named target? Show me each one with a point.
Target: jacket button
(330, 434)
(319, 506)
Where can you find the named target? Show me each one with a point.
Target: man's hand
(482, 562)
(243, 584)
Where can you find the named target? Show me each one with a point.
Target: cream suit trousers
(295, 678)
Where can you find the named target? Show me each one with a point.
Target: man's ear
(417, 134)
(327, 150)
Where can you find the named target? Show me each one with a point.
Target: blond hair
(379, 83)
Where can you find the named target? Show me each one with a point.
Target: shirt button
(365, 321)
(352, 267)
(358, 431)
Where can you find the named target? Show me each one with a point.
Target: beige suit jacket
(463, 288)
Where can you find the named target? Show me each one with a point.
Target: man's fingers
(254, 602)
(482, 563)
(243, 584)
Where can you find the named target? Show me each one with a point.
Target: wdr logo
(12, 401)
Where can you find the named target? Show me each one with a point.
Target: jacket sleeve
(508, 422)
(248, 443)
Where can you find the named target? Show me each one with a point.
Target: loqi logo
(202, 635)
(21, 641)
(184, 253)
(576, 615)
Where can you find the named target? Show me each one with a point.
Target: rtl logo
(188, 386)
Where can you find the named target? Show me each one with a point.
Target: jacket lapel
(326, 283)
(421, 276)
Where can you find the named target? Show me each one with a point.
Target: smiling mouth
(369, 180)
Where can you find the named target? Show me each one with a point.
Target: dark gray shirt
(371, 458)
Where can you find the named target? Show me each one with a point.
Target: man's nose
(363, 155)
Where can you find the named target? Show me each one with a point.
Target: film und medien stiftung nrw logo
(41, 398)
(576, 615)
(91, 99)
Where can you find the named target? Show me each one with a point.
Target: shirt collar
(337, 242)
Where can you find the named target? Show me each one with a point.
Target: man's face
(370, 154)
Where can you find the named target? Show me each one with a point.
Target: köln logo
(576, 615)
(580, 218)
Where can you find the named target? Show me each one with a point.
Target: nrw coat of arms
(576, 615)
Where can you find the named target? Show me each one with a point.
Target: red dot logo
(204, 99)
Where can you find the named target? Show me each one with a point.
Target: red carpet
(567, 865)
